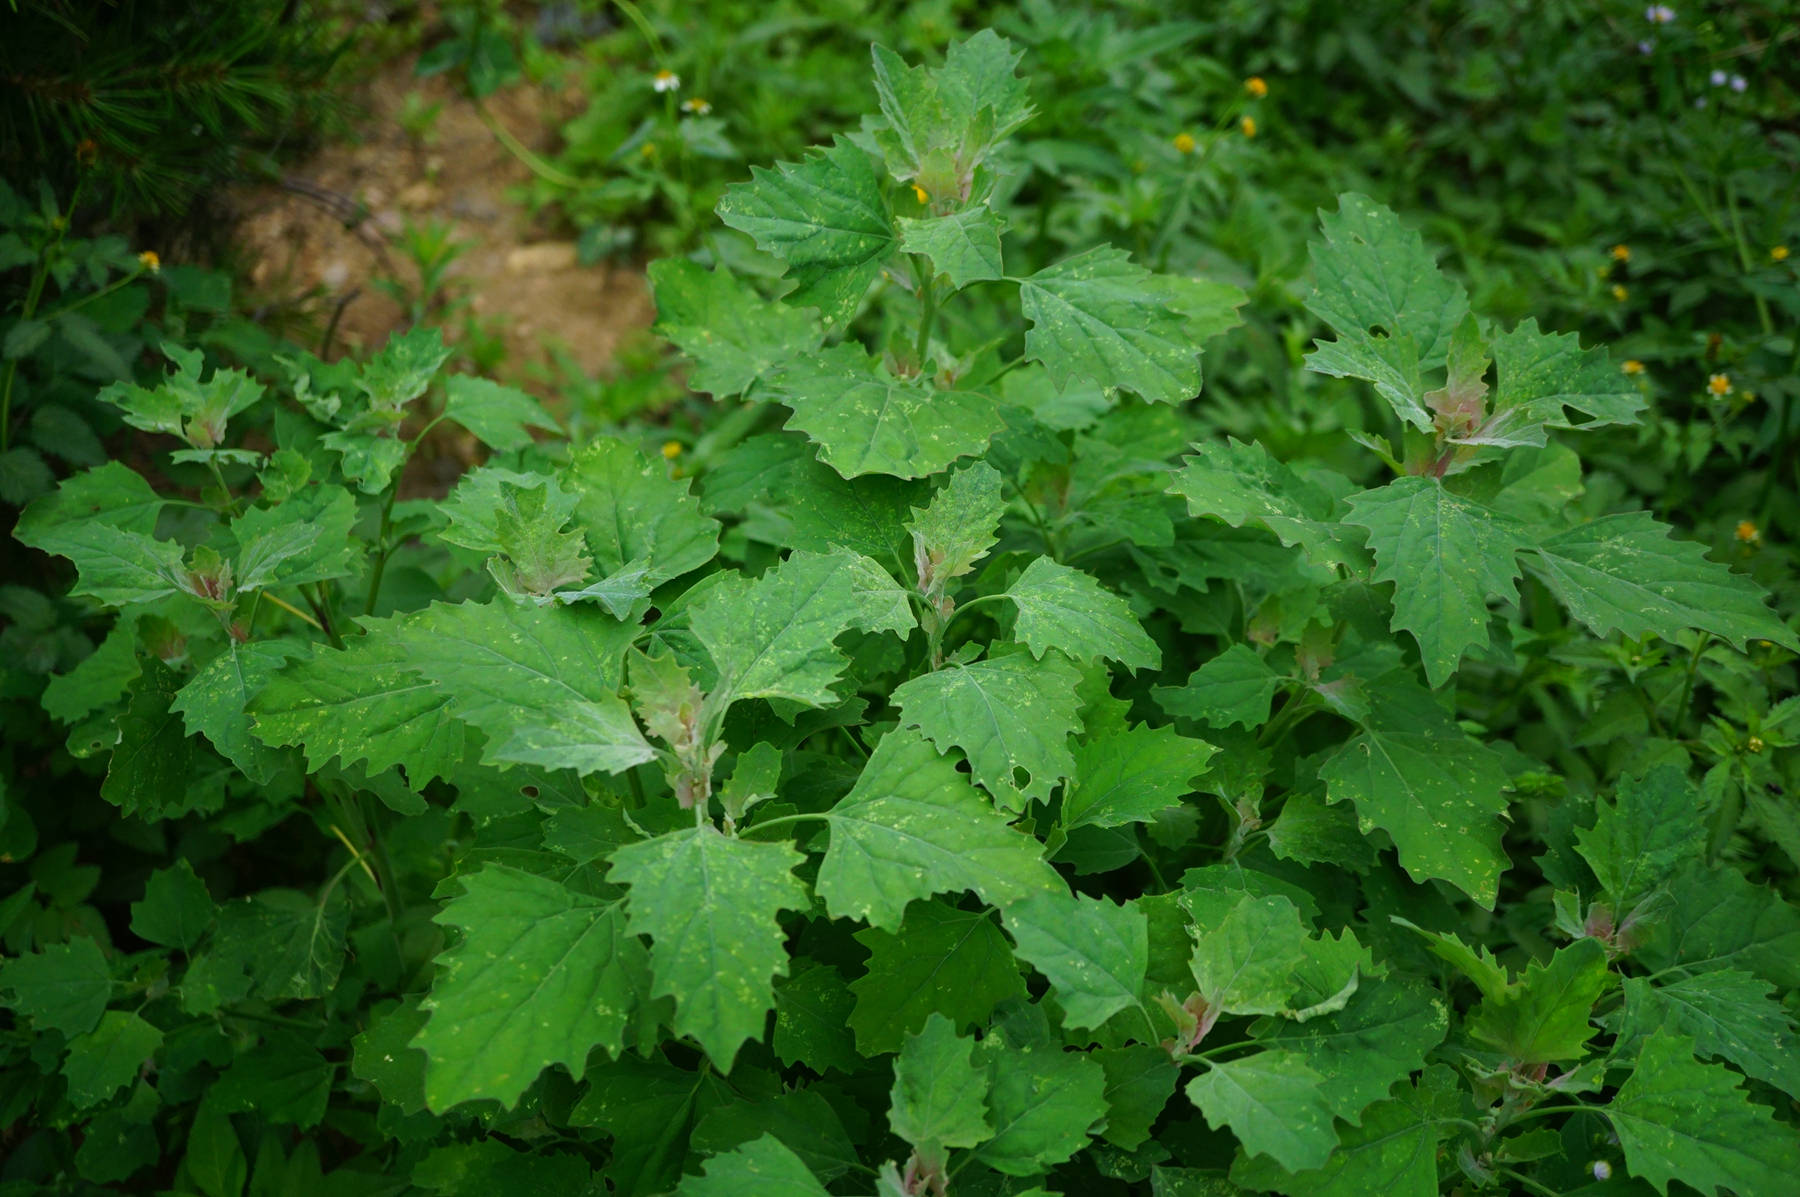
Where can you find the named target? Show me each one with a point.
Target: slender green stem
(1529, 1183)
(927, 309)
(1743, 248)
(381, 549)
(296, 612)
(521, 151)
(1546, 1111)
(1687, 681)
(384, 867)
(784, 820)
(34, 294)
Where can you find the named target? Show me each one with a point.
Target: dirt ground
(318, 240)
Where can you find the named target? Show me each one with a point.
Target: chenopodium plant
(922, 803)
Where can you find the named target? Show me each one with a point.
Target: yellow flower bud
(1256, 87)
(1184, 143)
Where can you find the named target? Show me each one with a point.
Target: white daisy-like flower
(1646, 47)
(1738, 83)
(1718, 78)
(697, 106)
(1659, 14)
(666, 80)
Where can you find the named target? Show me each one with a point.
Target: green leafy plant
(963, 770)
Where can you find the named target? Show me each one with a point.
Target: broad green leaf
(156, 770)
(1273, 1102)
(306, 538)
(1065, 609)
(940, 1094)
(473, 507)
(283, 1079)
(1541, 375)
(912, 827)
(215, 1161)
(866, 420)
(792, 500)
(1394, 1152)
(1098, 317)
(1245, 962)
(1381, 1036)
(403, 368)
(497, 415)
(733, 336)
(647, 1106)
(1642, 838)
(1731, 1015)
(1719, 919)
(1093, 952)
(112, 493)
(1041, 1102)
(215, 702)
(1244, 486)
(1543, 1016)
(942, 123)
(635, 514)
(385, 1057)
(63, 988)
(804, 1119)
(1237, 686)
(1435, 790)
(1139, 1081)
(176, 910)
(363, 704)
(1375, 273)
(1446, 556)
(1623, 573)
(772, 637)
(540, 556)
(182, 404)
(116, 566)
(99, 680)
(541, 975)
(812, 1011)
(104, 1061)
(825, 217)
(964, 245)
(942, 961)
(542, 683)
(1009, 715)
(1130, 774)
(291, 944)
(1679, 1119)
(958, 527)
(708, 904)
(760, 1168)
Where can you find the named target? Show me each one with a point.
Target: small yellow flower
(671, 450)
(149, 261)
(1620, 293)
(921, 194)
(648, 149)
(1256, 87)
(1719, 384)
(1746, 398)
(1778, 253)
(1248, 125)
(1621, 253)
(1184, 143)
(1748, 533)
(1632, 366)
(697, 106)
(666, 80)
(1754, 743)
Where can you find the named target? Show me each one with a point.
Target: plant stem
(1687, 682)
(381, 549)
(927, 309)
(521, 151)
(296, 612)
(385, 880)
